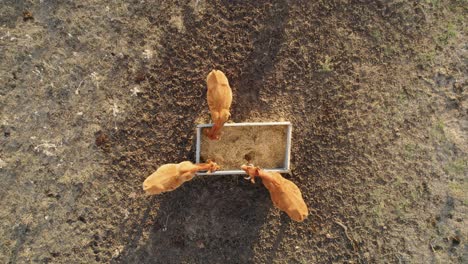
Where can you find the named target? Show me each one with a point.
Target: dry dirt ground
(95, 95)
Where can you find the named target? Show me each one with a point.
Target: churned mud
(264, 146)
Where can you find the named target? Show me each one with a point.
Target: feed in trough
(264, 145)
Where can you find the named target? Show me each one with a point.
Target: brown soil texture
(263, 146)
(96, 95)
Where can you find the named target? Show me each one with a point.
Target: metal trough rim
(285, 169)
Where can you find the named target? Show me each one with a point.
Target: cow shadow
(211, 219)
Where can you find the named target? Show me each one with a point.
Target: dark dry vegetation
(96, 95)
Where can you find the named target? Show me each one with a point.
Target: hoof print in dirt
(27, 16)
(102, 140)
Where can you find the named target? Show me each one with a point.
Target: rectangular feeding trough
(267, 145)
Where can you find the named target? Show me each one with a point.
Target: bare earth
(95, 95)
